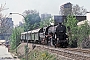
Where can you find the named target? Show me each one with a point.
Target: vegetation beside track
(33, 54)
(40, 55)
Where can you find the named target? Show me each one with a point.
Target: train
(47, 36)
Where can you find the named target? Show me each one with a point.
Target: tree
(72, 28)
(46, 22)
(66, 9)
(78, 11)
(71, 9)
(15, 37)
(78, 35)
(5, 27)
(32, 19)
(83, 34)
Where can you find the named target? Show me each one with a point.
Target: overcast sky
(43, 6)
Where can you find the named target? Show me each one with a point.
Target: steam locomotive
(53, 35)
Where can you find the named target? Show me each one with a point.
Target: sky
(43, 6)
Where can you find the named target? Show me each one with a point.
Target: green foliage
(71, 21)
(15, 37)
(77, 33)
(41, 24)
(46, 22)
(72, 24)
(32, 19)
(83, 32)
(41, 55)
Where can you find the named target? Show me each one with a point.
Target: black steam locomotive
(53, 35)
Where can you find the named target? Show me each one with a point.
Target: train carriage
(45, 35)
(23, 36)
(33, 35)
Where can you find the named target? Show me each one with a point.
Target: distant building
(59, 18)
(87, 19)
(20, 23)
(45, 16)
(64, 8)
(9, 24)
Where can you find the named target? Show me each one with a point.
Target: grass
(40, 55)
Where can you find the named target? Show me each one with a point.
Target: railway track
(68, 53)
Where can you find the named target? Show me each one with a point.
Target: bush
(40, 55)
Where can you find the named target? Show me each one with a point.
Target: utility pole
(27, 34)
